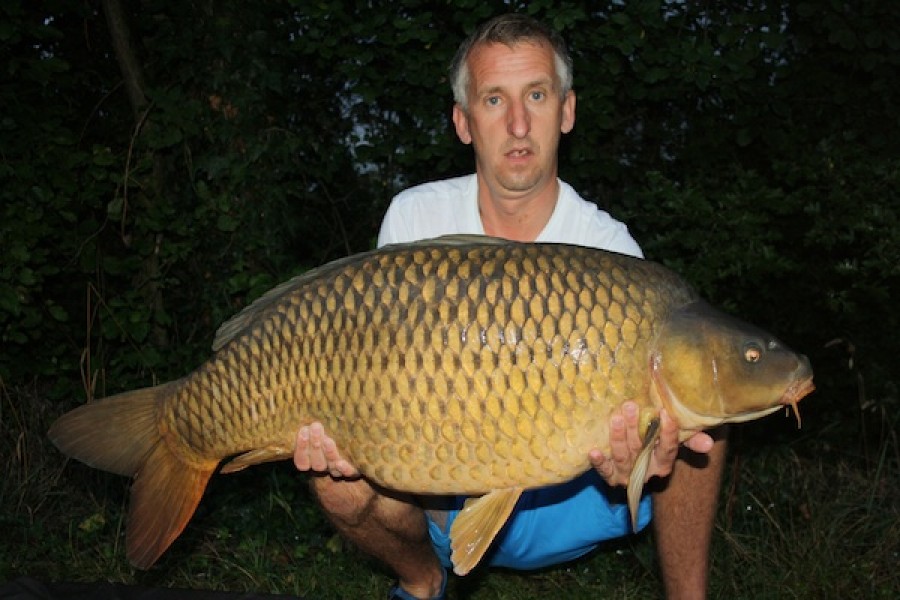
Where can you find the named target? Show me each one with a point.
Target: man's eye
(537, 95)
(492, 100)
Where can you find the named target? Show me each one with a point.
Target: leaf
(93, 523)
(57, 312)
(114, 208)
(9, 300)
(227, 223)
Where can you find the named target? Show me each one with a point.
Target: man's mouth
(518, 153)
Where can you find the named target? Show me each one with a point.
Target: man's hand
(315, 451)
(625, 445)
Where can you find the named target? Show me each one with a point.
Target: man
(512, 87)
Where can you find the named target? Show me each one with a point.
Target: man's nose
(518, 120)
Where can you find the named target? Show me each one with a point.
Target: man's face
(515, 116)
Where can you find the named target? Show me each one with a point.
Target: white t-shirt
(451, 206)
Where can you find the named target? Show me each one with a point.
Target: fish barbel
(461, 365)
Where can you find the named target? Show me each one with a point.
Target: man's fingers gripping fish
(454, 366)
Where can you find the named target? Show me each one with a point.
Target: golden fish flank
(469, 366)
(489, 375)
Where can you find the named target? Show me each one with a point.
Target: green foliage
(273, 136)
(49, 171)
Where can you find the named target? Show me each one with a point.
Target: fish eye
(752, 352)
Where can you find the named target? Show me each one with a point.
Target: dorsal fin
(239, 322)
(231, 328)
(460, 239)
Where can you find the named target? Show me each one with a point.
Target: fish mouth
(691, 420)
(794, 393)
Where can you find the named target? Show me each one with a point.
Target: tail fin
(164, 496)
(121, 434)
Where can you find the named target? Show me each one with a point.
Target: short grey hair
(510, 29)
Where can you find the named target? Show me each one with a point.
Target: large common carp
(454, 366)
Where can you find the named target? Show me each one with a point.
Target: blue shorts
(551, 525)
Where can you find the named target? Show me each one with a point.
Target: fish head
(710, 368)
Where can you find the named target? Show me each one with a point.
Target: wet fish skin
(452, 366)
(458, 378)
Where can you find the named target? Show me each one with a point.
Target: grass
(811, 514)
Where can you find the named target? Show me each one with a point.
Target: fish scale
(454, 366)
(403, 347)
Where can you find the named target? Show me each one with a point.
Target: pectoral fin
(255, 457)
(639, 472)
(476, 526)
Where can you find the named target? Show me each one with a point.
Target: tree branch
(125, 55)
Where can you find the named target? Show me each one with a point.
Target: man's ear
(461, 122)
(568, 112)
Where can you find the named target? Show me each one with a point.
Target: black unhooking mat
(26, 588)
